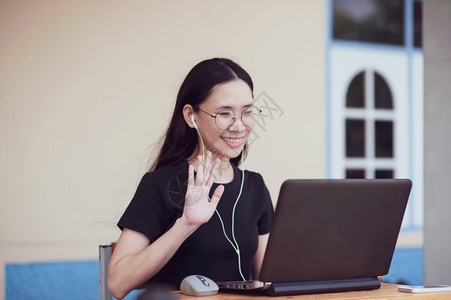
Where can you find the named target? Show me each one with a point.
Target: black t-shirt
(159, 201)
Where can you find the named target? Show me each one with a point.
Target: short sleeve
(146, 211)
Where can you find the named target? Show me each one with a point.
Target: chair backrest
(105, 252)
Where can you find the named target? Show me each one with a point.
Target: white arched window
(369, 127)
(375, 118)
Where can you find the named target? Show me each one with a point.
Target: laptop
(330, 235)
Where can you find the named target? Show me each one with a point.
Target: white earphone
(235, 245)
(194, 122)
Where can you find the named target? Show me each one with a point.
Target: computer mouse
(198, 285)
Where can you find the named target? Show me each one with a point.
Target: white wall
(87, 88)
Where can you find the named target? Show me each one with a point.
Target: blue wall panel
(73, 280)
(406, 267)
(80, 279)
(55, 280)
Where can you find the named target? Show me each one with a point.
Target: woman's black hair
(180, 140)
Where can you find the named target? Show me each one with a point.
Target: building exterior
(375, 102)
(87, 89)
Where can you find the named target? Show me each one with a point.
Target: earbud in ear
(194, 122)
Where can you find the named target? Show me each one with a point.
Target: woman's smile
(234, 142)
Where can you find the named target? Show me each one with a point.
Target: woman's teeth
(233, 140)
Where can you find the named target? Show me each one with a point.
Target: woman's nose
(238, 124)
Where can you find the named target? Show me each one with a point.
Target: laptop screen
(334, 229)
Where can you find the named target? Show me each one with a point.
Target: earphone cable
(235, 246)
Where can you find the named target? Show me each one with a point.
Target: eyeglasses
(224, 119)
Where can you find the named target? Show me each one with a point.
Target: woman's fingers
(190, 175)
(200, 171)
(198, 206)
(212, 175)
(207, 166)
(217, 195)
(206, 175)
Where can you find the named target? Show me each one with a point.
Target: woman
(195, 212)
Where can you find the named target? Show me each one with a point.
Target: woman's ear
(188, 112)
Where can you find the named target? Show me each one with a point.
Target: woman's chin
(234, 153)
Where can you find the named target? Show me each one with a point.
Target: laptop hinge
(323, 286)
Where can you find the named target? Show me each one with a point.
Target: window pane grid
(355, 173)
(382, 93)
(384, 138)
(384, 173)
(380, 163)
(355, 138)
(369, 129)
(355, 96)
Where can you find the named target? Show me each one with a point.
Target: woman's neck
(225, 171)
(224, 174)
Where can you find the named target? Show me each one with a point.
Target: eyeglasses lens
(226, 118)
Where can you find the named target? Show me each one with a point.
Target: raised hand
(198, 206)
